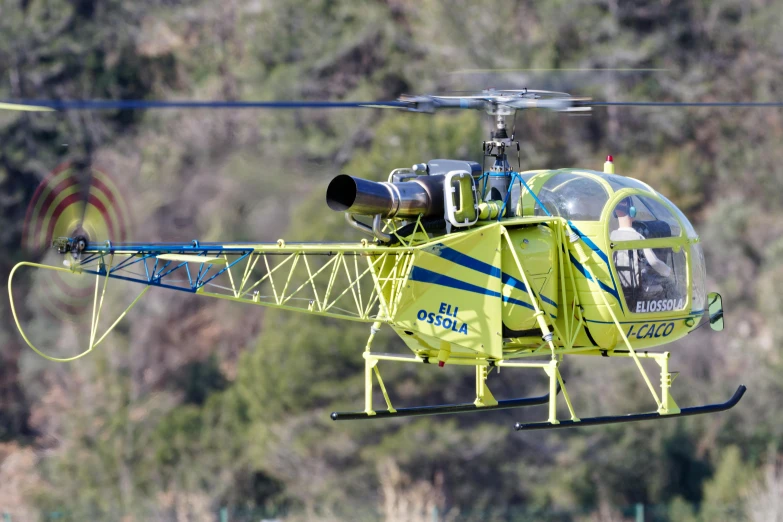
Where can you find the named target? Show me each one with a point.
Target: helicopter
(470, 264)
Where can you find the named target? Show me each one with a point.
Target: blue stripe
(428, 276)
(423, 275)
(530, 191)
(519, 285)
(465, 260)
(547, 300)
(579, 267)
(510, 281)
(692, 314)
(604, 258)
(589, 242)
(601, 285)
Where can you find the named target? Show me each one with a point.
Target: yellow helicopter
(470, 264)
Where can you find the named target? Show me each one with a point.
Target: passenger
(625, 213)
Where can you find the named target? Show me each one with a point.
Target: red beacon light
(609, 165)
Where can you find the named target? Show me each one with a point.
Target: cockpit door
(648, 256)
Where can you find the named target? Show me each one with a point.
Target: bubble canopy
(582, 195)
(667, 275)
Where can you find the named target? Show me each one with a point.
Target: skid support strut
(616, 419)
(370, 366)
(667, 407)
(485, 401)
(556, 383)
(484, 397)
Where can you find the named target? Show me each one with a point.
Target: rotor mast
(500, 172)
(498, 177)
(498, 143)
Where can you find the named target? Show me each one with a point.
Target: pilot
(625, 213)
(643, 276)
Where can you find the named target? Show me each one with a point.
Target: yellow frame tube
(538, 312)
(95, 313)
(633, 354)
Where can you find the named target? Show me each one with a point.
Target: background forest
(201, 410)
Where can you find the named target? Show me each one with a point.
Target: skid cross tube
(618, 419)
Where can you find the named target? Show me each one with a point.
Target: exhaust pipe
(408, 199)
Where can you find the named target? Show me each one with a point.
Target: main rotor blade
(572, 69)
(81, 105)
(685, 104)
(22, 107)
(411, 103)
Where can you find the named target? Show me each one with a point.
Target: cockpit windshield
(620, 182)
(573, 197)
(689, 230)
(647, 216)
(652, 274)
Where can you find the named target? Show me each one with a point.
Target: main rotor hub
(496, 103)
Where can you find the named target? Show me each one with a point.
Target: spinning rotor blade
(555, 70)
(73, 201)
(97, 105)
(555, 104)
(488, 100)
(686, 104)
(479, 101)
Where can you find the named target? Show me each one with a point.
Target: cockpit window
(652, 279)
(573, 197)
(641, 217)
(687, 224)
(621, 182)
(698, 278)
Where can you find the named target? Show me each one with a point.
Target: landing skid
(617, 419)
(442, 409)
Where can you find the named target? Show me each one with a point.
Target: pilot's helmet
(625, 206)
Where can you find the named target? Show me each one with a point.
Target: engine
(440, 189)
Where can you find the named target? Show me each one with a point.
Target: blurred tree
(172, 422)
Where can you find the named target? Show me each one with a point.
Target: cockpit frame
(617, 188)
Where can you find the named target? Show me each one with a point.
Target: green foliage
(681, 510)
(185, 413)
(727, 487)
(404, 139)
(199, 379)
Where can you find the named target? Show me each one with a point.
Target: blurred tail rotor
(72, 203)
